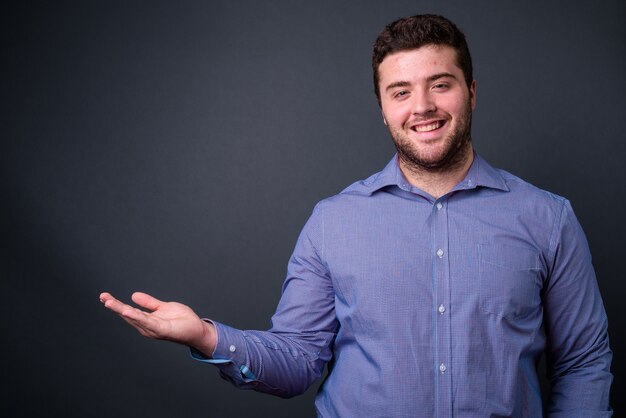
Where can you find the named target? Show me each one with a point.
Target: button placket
(441, 250)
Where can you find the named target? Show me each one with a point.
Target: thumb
(146, 301)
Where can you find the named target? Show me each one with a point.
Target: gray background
(179, 147)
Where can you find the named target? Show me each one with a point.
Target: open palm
(170, 321)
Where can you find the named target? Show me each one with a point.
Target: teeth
(426, 128)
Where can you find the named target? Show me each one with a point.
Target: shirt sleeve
(579, 356)
(288, 358)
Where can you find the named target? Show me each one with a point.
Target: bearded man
(433, 287)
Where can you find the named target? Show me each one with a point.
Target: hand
(169, 321)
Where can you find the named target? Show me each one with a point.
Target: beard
(453, 154)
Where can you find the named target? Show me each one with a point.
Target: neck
(438, 182)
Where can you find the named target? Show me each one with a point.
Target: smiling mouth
(429, 127)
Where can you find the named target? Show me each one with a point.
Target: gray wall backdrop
(179, 147)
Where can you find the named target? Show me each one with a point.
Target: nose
(423, 103)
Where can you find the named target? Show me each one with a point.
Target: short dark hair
(415, 32)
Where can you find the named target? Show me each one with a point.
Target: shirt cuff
(230, 354)
(230, 346)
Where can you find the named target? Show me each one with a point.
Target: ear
(472, 92)
(384, 120)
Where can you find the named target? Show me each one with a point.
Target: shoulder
(361, 188)
(356, 194)
(519, 199)
(532, 202)
(519, 189)
(520, 186)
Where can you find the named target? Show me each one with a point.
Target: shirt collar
(481, 173)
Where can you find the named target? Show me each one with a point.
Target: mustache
(430, 115)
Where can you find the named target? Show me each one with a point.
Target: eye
(440, 86)
(400, 94)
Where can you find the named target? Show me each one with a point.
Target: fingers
(113, 304)
(121, 308)
(104, 296)
(133, 316)
(146, 301)
(128, 311)
(142, 299)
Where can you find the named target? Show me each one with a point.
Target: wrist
(208, 340)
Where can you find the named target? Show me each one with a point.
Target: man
(431, 288)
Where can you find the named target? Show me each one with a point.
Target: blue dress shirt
(426, 307)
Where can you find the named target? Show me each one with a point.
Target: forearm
(280, 364)
(583, 389)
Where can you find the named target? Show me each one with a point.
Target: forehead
(419, 63)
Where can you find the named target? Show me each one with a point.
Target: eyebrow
(433, 77)
(396, 84)
(441, 75)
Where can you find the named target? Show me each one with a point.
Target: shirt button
(442, 368)
(439, 205)
(232, 348)
(440, 253)
(441, 309)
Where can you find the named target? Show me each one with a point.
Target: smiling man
(427, 105)
(433, 287)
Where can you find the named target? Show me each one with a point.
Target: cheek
(457, 107)
(396, 115)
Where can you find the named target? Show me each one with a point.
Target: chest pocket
(510, 280)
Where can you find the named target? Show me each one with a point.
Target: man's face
(427, 106)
